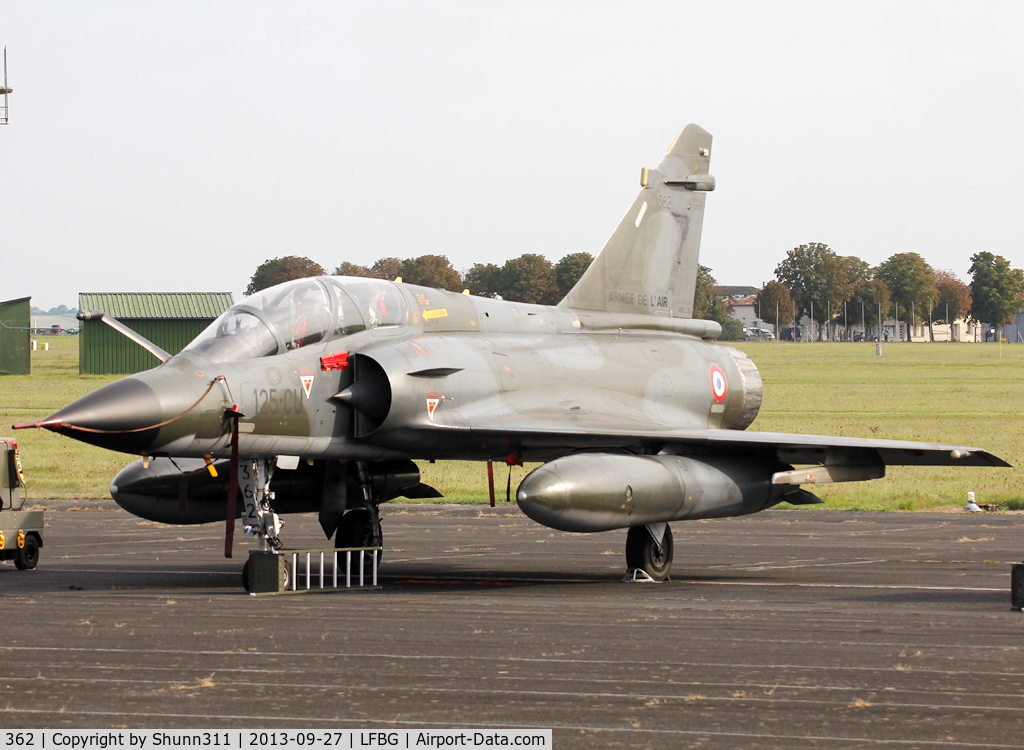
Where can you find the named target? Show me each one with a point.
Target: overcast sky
(174, 146)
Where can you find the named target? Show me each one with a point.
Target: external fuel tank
(602, 491)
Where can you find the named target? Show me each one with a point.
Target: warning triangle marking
(307, 383)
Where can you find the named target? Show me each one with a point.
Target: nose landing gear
(360, 527)
(258, 518)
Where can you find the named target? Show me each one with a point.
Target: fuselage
(347, 368)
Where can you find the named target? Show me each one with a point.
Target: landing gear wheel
(643, 553)
(357, 529)
(28, 556)
(284, 577)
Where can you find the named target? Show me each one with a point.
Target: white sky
(175, 146)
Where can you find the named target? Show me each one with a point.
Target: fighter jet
(316, 395)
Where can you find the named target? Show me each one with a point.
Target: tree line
(59, 310)
(529, 278)
(814, 282)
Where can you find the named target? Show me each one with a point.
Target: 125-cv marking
(273, 402)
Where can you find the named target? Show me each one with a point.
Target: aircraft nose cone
(542, 496)
(119, 416)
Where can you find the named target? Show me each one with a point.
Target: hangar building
(168, 319)
(15, 317)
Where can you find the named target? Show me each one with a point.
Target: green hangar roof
(157, 305)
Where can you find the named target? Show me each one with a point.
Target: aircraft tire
(28, 556)
(643, 553)
(284, 582)
(357, 530)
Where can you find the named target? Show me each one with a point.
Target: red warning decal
(719, 387)
(432, 401)
(306, 376)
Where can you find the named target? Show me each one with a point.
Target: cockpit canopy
(298, 314)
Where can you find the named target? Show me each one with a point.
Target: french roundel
(718, 385)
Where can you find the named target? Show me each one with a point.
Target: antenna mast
(5, 91)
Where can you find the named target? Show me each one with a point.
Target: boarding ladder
(299, 571)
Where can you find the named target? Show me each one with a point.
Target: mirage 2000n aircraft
(317, 394)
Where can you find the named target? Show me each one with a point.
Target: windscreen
(296, 314)
(233, 336)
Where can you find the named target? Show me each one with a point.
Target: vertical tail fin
(650, 263)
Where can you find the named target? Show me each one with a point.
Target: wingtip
(990, 458)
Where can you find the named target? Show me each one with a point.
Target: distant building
(744, 309)
(15, 355)
(1014, 332)
(168, 319)
(741, 302)
(961, 331)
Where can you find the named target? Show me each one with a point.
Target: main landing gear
(360, 526)
(649, 552)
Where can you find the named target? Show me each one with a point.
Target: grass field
(951, 393)
(55, 466)
(956, 393)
